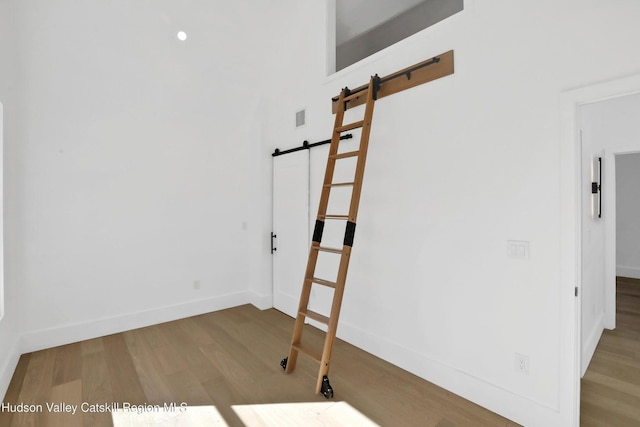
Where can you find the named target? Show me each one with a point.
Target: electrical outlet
(521, 363)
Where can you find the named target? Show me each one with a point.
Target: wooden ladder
(324, 358)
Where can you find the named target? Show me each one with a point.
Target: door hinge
(576, 291)
(273, 248)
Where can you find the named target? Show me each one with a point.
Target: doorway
(609, 129)
(609, 133)
(570, 260)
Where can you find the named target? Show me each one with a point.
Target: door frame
(570, 230)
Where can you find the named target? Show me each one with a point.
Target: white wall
(136, 171)
(628, 212)
(457, 167)
(11, 323)
(133, 173)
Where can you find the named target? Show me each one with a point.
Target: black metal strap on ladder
(323, 356)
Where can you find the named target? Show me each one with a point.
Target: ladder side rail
(332, 328)
(362, 158)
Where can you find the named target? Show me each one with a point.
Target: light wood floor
(611, 385)
(224, 358)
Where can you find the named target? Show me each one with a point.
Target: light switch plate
(518, 249)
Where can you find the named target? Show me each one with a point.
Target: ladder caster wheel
(283, 363)
(326, 389)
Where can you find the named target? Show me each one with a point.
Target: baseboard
(52, 337)
(8, 366)
(630, 272)
(589, 345)
(260, 301)
(286, 303)
(515, 407)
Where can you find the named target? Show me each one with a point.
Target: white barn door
(291, 228)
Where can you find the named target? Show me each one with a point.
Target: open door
(290, 228)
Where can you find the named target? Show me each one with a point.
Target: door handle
(273, 248)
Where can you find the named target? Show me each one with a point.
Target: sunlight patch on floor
(309, 414)
(334, 414)
(177, 417)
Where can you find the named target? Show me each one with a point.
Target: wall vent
(300, 118)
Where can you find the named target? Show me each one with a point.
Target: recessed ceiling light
(182, 36)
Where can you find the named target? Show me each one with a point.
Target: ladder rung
(315, 316)
(333, 216)
(323, 282)
(315, 355)
(350, 126)
(339, 184)
(345, 155)
(326, 249)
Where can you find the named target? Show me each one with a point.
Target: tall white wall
(456, 168)
(136, 184)
(628, 212)
(11, 323)
(133, 164)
